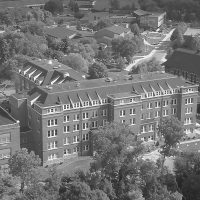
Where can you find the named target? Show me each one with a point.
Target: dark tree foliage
(54, 6)
(97, 70)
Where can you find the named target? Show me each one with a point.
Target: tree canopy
(97, 70)
(54, 6)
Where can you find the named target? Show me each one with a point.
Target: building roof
(184, 59)
(192, 32)
(60, 32)
(6, 118)
(49, 70)
(140, 12)
(117, 29)
(93, 89)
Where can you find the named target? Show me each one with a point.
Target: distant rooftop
(6, 118)
(192, 32)
(117, 29)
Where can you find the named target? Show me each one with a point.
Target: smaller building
(150, 20)
(44, 72)
(9, 137)
(191, 32)
(106, 35)
(60, 32)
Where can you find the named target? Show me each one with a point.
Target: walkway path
(159, 53)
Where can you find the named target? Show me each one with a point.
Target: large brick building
(59, 118)
(9, 137)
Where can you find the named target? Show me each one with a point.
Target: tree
(22, 163)
(120, 63)
(4, 50)
(54, 6)
(97, 70)
(135, 29)
(102, 24)
(73, 6)
(171, 129)
(193, 43)
(76, 62)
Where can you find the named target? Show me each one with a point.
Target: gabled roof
(117, 29)
(59, 32)
(187, 60)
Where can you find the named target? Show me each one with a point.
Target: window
(149, 115)
(86, 148)
(52, 133)
(165, 103)
(121, 101)
(5, 138)
(188, 121)
(174, 101)
(53, 156)
(95, 102)
(158, 93)
(75, 150)
(85, 126)
(85, 115)
(66, 118)
(143, 106)
(165, 113)
(157, 114)
(4, 154)
(52, 122)
(76, 127)
(150, 94)
(122, 113)
(166, 92)
(132, 121)
(76, 117)
(157, 104)
(143, 96)
(151, 128)
(66, 129)
(95, 114)
(76, 139)
(132, 111)
(142, 116)
(85, 137)
(188, 110)
(189, 101)
(66, 107)
(52, 145)
(104, 122)
(174, 111)
(104, 112)
(149, 105)
(86, 104)
(123, 121)
(77, 105)
(66, 152)
(51, 110)
(104, 101)
(94, 124)
(144, 129)
(66, 141)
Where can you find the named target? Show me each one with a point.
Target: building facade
(9, 138)
(61, 117)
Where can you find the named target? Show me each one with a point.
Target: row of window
(67, 152)
(189, 101)
(76, 139)
(147, 128)
(188, 120)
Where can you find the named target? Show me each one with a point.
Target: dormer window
(66, 107)
(166, 92)
(143, 96)
(104, 101)
(95, 102)
(158, 93)
(150, 94)
(86, 104)
(51, 110)
(121, 101)
(77, 105)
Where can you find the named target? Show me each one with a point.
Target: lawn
(69, 166)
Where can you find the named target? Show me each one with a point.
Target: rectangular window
(104, 101)
(122, 113)
(75, 150)
(104, 122)
(132, 111)
(188, 121)
(95, 102)
(188, 110)
(4, 154)
(157, 114)
(189, 101)
(174, 101)
(76, 139)
(85, 126)
(76, 127)
(66, 129)
(85, 137)
(151, 128)
(150, 94)
(149, 105)
(165, 103)
(132, 121)
(143, 106)
(52, 122)
(51, 110)
(5, 138)
(149, 115)
(174, 111)
(66, 141)
(123, 121)
(158, 93)
(86, 148)
(66, 107)
(76, 117)
(85, 115)
(52, 133)
(53, 156)
(66, 118)
(104, 112)
(144, 129)
(121, 101)
(77, 105)
(95, 114)
(157, 104)
(66, 152)
(94, 124)
(142, 116)
(86, 104)
(52, 145)
(165, 113)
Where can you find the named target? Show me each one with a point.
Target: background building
(9, 138)
(60, 118)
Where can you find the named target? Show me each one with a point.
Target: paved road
(159, 53)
